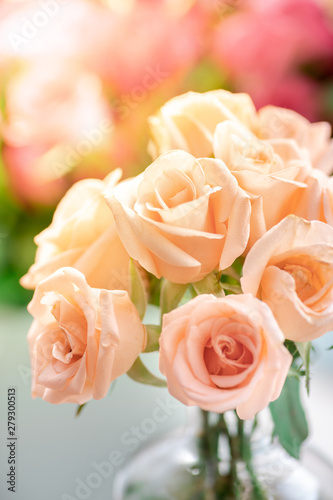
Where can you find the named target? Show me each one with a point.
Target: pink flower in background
(149, 33)
(56, 118)
(20, 168)
(52, 103)
(172, 44)
(291, 92)
(71, 62)
(263, 44)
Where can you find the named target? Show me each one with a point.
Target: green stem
(209, 447)
(246, 454)
(217, 486)
(234, 456)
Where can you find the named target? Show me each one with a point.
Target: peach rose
(188, 121)
(81, 338)
(182, 218)
(314, 139)
(82, 235)
(316, 201)
(272, 169)
(290, 268)
(223, 354)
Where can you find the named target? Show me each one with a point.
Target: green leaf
(304, 349)
(171, 295)
(232, 273)
(289, 419)
(137, 290)
(140, 373)
(154, 287)
(296, 372)
(238, 265)
(235, 289)
(291, 346)
(210, 284)
(79, 409)
(153, 336)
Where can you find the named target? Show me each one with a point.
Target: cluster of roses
(228, 182)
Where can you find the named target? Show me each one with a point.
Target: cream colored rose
(314, 139)
(81, 338)
(316, 201)
(290, 268)
(182, 218)
(188, 121)
(273, 170)
(82, 235)
(224, 353)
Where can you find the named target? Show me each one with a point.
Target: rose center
(306, 281)
(174, 188)
(255, 151)
(227, 355)
(61, 349)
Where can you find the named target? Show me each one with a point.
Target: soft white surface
(55, 450)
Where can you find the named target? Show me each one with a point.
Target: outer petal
(292, 232)
(298, 322)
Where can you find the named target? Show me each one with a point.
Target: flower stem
(246, 454)
(209, 448)
(217, 486)
(234, 455)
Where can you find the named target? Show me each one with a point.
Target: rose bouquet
(61, 60)
(229, 233)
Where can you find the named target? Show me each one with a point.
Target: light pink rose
(81, 338)
(274, 154)
(316, 201)
(182, 218)
(314, 139)
(189, 121)
(224, 353)
(290, 268)
(83, 235)
(271, 169)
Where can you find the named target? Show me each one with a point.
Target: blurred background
(78, 79)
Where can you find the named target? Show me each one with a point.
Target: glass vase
(215, 458)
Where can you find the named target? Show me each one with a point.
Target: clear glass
(174, 468)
